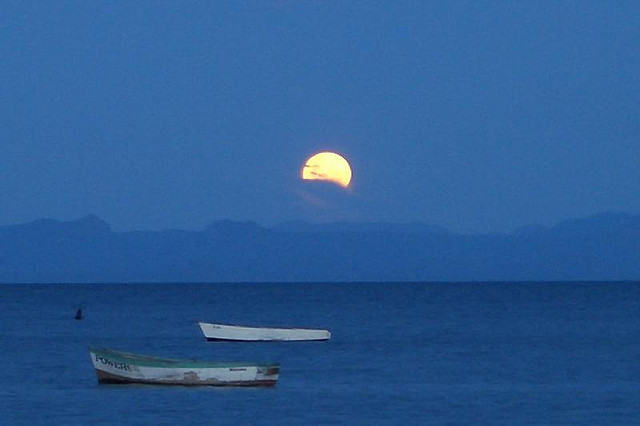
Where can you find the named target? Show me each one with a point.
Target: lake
(400, 353)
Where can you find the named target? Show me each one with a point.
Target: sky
(478, 116)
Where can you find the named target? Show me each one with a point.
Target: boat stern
(267, 375)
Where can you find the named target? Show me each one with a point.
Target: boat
(116, 367)
(242, 333)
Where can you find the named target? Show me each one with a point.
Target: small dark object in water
(79, 314)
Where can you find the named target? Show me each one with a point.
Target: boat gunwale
(152, 361)
(253, 327)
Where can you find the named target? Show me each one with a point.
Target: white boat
(117, 367)
(260, 334)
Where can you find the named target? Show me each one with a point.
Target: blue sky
(476, 116)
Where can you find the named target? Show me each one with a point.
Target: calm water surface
(420, 353)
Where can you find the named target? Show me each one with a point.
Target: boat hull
(114, 367)
(260, 334)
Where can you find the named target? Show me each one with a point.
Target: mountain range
(87, 250)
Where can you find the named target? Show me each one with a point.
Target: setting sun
(327, 166)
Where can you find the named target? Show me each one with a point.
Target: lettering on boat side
(114, 364)
(237, 369)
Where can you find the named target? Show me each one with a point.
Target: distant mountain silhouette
(408, 228)
(602, 247)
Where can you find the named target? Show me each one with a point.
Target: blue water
(431, 353)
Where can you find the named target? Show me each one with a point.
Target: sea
(452, 353)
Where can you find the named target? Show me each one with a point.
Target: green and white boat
(117, 367)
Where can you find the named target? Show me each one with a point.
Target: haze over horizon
(473, 116)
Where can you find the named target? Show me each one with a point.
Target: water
(430, 353)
